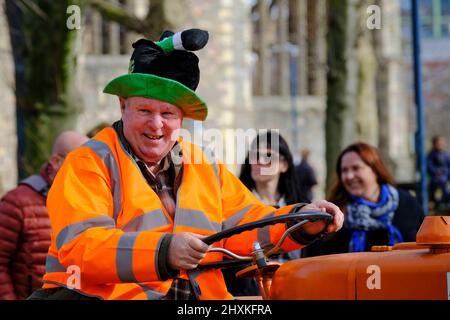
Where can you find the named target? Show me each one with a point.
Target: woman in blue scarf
(376, 212)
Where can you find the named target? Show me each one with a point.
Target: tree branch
(121, 16)
(155, 22)
(33, 7)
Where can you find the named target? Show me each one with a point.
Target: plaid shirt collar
(156, 169)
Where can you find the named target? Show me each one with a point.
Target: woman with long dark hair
(268, 171)
(376, 211)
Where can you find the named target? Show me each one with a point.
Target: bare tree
(347, 82)
(161, 15)
(46, 100)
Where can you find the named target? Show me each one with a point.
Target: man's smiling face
(150, 126)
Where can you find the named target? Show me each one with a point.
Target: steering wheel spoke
(300, 217)
(231, 254)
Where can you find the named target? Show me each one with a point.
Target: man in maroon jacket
(25, 225)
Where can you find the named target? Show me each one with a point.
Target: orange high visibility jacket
(108, 225)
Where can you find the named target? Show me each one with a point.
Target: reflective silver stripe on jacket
(264, 234)
(124, 257)
(52, 264)
(103, 151)
(196, 219)
(151, 294)
(72, 231)
(209, 154)
(234, 220)
(147, 221)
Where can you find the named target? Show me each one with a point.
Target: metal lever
(285, 234)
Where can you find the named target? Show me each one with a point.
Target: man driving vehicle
(129, 209)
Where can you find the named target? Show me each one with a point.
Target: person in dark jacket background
(438, 167)
(25, 225)
(306, 176)
(376, 212)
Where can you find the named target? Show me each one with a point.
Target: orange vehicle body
(406, 271)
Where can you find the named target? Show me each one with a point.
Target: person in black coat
(306, 176)
(438, 167)
(376, 212)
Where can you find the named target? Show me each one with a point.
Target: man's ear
(122, 101)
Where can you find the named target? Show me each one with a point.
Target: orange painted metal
(262, 275)
(406, 271)
(434, 232)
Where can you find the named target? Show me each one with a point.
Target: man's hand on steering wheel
(316, 227)
(186, 250)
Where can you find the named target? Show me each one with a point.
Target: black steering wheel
(291, 217)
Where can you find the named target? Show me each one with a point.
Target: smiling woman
(377, 212)
(268, 171)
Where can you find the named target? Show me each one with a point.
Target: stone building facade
(229, 79)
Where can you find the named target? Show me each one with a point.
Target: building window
(434, 15)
